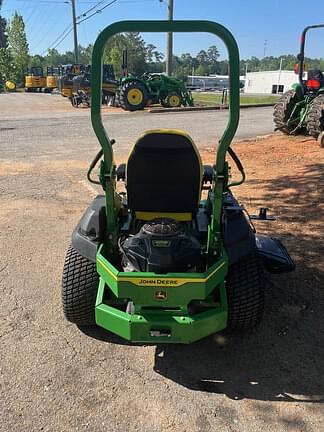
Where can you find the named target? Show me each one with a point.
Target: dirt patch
(285, 174)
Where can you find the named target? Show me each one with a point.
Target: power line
(97, 11)
(31, 14)
(39, 24)
(63, 34)
(69, 29)
(58, 1)
(59, 43)
(92, 8)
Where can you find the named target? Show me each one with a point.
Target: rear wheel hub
(135, 96)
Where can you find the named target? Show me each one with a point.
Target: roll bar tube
(166, 26)
(301, 55)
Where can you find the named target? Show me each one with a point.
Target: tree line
(142, 57)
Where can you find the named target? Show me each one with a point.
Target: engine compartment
(162, 245)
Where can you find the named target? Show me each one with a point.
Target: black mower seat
(315, 79)
(164, 176)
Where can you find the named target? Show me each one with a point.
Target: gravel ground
(55, 377)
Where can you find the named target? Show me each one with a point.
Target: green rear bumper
(161, 303)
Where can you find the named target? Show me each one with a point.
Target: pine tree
(18, 46)
(5, 56)
(6, 67)
(138, 53)
(3, 36)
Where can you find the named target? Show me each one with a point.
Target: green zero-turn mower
(302, 108)
(158, 263)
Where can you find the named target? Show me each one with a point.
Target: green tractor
(137, 93)
(162, 262)
(302, 108)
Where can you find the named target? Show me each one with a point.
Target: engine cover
(161, 246)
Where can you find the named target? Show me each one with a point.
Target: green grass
(209, 99)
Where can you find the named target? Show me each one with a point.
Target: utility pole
(265, 48)
(279, 75)
(75, 34)
(169, 41)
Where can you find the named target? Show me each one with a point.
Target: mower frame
(161, 301)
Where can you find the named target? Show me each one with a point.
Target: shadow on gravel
(282, 360)
(102, 335)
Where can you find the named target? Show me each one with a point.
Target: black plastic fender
(240, 240)
(274, 256)
(238, 235)
(89, 232)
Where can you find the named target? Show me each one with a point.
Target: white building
(269, 82)
(210, 82)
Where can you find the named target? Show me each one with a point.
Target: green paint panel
(156, 316)
(141, 328)
(176, 296)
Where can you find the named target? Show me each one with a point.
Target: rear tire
(79, 288)
(245, 293)
(117, 100)
(283, 109)
(315, 118)
(133, 96)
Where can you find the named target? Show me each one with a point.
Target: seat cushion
(164, 173)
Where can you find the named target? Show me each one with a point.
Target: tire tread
(245, 294)
(283, 109)
(79, 288)
(315, 118)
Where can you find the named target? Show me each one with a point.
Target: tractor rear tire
(79, 288)
(245, 293)
(283, 109)
(133, 96)
(117, 100)
(315, 118)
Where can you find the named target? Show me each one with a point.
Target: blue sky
(279, 22)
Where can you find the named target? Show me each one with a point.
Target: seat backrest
(315, 79)
(164, 175)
